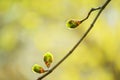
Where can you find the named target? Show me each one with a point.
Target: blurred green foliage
(28, 28)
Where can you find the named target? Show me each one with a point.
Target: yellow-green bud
(48, 59)
(37, 68)
(72, 23)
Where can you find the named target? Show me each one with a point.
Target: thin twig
(91, 10)
(81, 39)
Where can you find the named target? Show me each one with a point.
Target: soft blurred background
(29, 28)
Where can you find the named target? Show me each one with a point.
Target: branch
(81, 39)
(91, 10)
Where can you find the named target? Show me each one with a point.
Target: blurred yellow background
(29, 28)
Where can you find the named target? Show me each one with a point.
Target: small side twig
(81, 39)
(91, 10)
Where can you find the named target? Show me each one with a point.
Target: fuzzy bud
(37, 68)
(73, 23)
(48, 59)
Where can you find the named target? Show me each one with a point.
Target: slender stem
(91, 10)
(81, 39)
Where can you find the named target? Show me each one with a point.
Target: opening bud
(48, 59)
(37, 68)
(73, 23)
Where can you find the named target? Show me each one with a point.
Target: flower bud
(37, 68)
(48, 58)
(72, 23)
